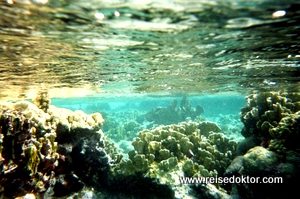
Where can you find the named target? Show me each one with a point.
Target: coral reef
(167, 152)
(273, 115)
(262, 164)
(271, 120)
(60, 153)
(173, 114)
(48, 150)
(42, 100)
(55, 152)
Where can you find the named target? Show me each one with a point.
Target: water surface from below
(76, 48)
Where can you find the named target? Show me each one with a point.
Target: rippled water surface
(79, 48)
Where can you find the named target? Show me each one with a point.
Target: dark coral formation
(261, 163)
(270, 115)
(26, 158)
(173, 114)
(49, 154)
(272, 120)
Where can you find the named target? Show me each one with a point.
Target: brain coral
(167, 152)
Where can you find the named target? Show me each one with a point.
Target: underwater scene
(149, 99)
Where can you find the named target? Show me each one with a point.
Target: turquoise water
(221, 109)
(213, 105)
